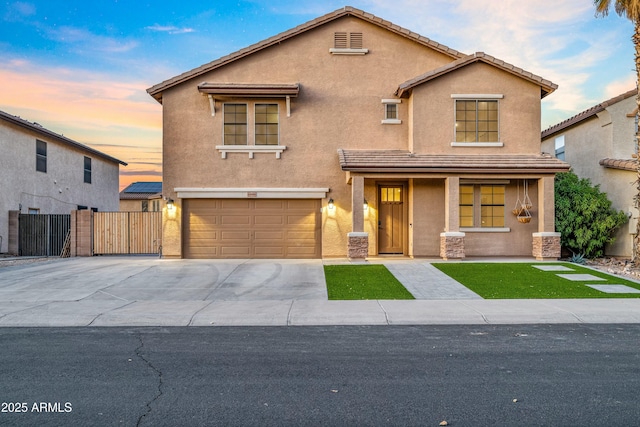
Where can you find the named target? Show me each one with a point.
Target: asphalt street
(470, 375)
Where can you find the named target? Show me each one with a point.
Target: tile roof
(405, 88)
(35, 127)
(623, 164)
(156, 90)
(587, 113)
(405, 161)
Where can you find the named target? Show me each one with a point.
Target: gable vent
(345, 43)
(355, 40)
(340, 40)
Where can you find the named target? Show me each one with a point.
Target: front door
(391, 219)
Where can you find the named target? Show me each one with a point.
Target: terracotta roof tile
(590, 112)
(405, 88)
(623, 164)
(156, 90)
(405, 161)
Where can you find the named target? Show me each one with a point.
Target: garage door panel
(235, 220)
(252, 228)
(228, 236)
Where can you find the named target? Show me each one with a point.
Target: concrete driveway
(152, 279)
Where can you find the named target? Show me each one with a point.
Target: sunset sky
(81, 68)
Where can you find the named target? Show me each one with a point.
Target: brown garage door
(251, 228)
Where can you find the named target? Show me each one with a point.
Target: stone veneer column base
(358, 246)
(546, 246)
(452, 245)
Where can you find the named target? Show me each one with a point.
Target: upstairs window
(41, 156)
(266, 124)
(391, 113)
(476, 120)
(235, 124)
(87, 170)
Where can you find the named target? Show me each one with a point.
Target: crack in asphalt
(160, 380)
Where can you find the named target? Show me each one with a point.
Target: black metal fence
(42, 235)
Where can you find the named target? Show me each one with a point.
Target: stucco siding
(58, 191)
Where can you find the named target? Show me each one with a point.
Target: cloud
(88, 41)
(619, 87)
(17, 11)
(170, 29)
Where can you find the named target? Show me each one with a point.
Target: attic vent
(355, 40)
(345, 43)
(340, 40)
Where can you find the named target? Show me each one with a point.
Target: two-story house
(351, 136)
(43, 172)
(599, 144)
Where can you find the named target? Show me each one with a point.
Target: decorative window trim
(477, 144)
(485, 230)
(251, 149)
(390, 121)
(477, 96)
(348, 51)
(251, 193)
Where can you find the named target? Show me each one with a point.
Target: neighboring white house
(43, 172)
(599, 143)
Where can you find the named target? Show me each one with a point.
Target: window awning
(250, 90)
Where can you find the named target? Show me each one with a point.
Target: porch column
(452, 240)
(358, 240)
(546, 242)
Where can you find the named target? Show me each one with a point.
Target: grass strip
(524, 281)
(363, 282)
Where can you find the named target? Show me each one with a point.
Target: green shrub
(584, 216)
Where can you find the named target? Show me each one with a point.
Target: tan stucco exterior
(593, 136)
(59, 190)
(339, 106)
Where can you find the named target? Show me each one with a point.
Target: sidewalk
(142, 291)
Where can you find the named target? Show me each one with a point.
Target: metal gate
(42, 234)
(127, 233)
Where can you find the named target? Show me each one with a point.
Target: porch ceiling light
(330, 205)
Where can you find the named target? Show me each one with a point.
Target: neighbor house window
(145, 206)
(266, 124)
(482, 206)
(235, 124)
(87, 170)
(391, 113)
(476, 120)
(41, 156)
(559, 146)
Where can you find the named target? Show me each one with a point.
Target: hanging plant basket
(517, 210)
(525, 216)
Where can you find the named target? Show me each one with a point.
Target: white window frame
(391, 120)
(559, 147)
(251, 148)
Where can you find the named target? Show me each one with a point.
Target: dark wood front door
(391, 219)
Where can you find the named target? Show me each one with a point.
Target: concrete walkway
(146, 291)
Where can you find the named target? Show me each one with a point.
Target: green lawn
(524, 281)
(361, 282)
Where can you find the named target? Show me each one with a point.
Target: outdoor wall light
(365, 206)
(330, 205)
(170, 205)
